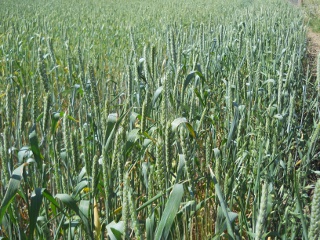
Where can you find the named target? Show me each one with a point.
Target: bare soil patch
(313, 50)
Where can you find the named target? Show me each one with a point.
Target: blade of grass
(13, 187)
(36, 202)
(222, 203)
(299, 206)
(169, 213)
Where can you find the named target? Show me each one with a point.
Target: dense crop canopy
(155, 120)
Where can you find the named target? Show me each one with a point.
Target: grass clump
(312, 9)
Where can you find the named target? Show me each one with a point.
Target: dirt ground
(313, 50)
(313, 38)
(311, 9)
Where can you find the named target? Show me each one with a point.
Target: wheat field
(157, 120)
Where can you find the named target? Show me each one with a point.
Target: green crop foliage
(156, 120)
